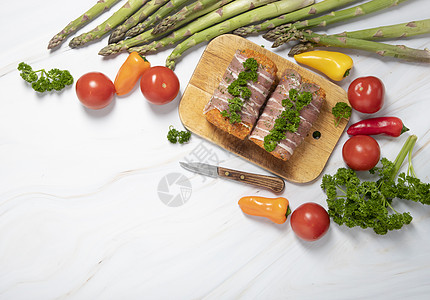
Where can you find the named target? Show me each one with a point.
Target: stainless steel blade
(201, 168)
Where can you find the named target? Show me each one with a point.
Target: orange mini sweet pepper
(130, 72)
(275, 209)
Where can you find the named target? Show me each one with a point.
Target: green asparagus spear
(261, 13)
(230, 10)
(129, 8)
(170, 21)
(146, 10)
(310, 40)
(160, 14)
(280, 35)
(96, 10)
(300, 14)
(391, 31)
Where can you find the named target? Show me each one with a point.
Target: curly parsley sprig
(369, 204)
(341, 111)
(176, 136)
(42, 80)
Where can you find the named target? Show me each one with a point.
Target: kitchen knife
(273, 183)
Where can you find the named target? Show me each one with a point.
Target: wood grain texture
(276, 184)
(309, 158)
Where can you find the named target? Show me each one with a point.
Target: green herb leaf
(42, 81)
(341, 111)
(175, 136)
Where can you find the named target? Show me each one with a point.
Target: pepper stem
(404, 129)
(346, 73)
(288, 211)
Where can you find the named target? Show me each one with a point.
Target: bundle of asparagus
(360, 40)
(128, 9)
(149, 25)
(142, 14)
(258, 14)
(281, 33)
(364, 40)
(214, 16)
(167, 20)
(88, 16)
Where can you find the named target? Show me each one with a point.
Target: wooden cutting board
(309, 158)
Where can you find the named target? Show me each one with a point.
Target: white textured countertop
(84, 195)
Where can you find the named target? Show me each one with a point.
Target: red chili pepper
(391, 126)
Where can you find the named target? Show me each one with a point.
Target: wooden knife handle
(273, 183)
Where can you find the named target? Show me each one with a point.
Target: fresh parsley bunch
(42, 80)
(369, 204)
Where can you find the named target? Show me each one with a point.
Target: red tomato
(310, 221)
(159, 85)
(361, 152)
(95, 90)
(366, 94)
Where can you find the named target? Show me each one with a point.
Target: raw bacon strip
(308, 115)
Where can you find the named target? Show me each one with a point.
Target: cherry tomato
(95, 90)
(310, 221)
(366, 94)
(361, 152)
(159, 85)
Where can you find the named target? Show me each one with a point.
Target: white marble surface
(81, 210)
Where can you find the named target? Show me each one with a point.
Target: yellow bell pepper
(335, 65)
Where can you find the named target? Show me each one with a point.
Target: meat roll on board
(275, 130)
(236, 103)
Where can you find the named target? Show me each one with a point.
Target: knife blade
(273, 183)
